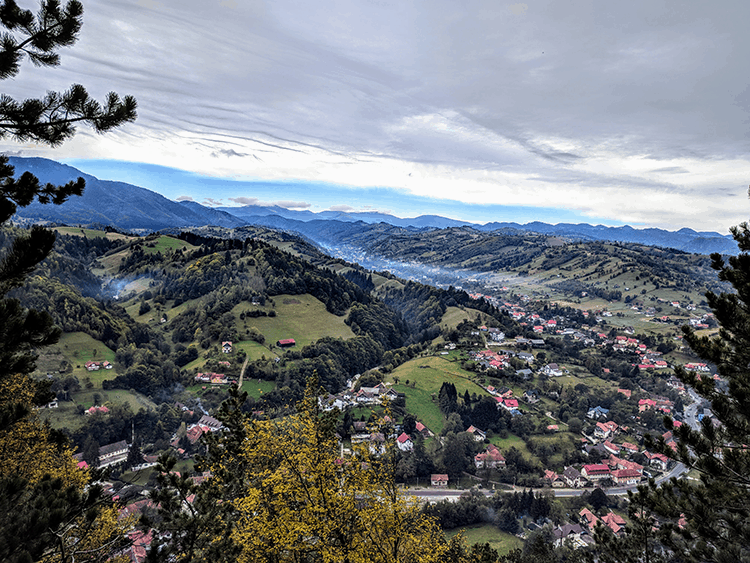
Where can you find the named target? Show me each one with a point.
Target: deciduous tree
(295, 497)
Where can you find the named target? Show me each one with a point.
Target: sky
(631, 113)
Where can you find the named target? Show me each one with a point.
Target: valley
(549, 355)
(517, 381)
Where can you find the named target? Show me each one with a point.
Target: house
(616, 463)
(629, 448)
(226, 347)
(595, 472)
(552, 370)
(568, 532)
(377, 443)
(505, 392)
(424, 431)
(553, 479)
(140, 542)
(602, 431)
(526, 357)
(597, 412)
(610, 447)
(333, 402)
(285, 343)
(92, 366)
(626, 476)
(658, 461)
(194, 434)
(366, 397)
(531, 396)
(524, 374)
(615, 523)
(439, 480)
(509, 404)
(490, 458)
(210, 422)
(95, 409)
(646, 404)
(626, 392)
(404, 443)
(112, 454)
(478, 434)
(573, 477)
(107, 365)
(588, 518)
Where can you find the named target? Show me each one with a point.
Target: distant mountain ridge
(129, 207)
(115, 204)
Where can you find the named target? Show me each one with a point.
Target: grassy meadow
(503, 542)
(301, 317)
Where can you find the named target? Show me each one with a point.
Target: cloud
(482, 105)
(246, 200)
(212, 202)
(184, 198)
(342, 208)
(671, 170)
(228, 152)
(293, 204)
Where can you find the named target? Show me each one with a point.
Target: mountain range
(132, 208)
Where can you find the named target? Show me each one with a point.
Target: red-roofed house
(404, 443)
(439, 480)
(629, 448)
(595, 472)
(491, 458)
(588, 518)
(659, 461)
(602, 431)
(645, 404)
(614, 523)
(626, 476)
(423, 430)
(611, 448)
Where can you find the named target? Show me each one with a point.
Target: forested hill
(168, 301)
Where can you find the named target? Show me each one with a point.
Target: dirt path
(242, 372)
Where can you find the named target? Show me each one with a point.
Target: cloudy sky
(634, 112)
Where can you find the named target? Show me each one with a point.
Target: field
(503, 542)
(164, 243)
(256, 387)
(91, 233)
(254, 350)
(301, 317)
(425, 377)
(67, 415)
(79, 348)
(453, 316)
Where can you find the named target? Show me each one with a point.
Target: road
(435, 495)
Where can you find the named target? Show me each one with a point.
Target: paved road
(435, 495)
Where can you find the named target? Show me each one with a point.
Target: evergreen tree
(46, 509)
(706, 519)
